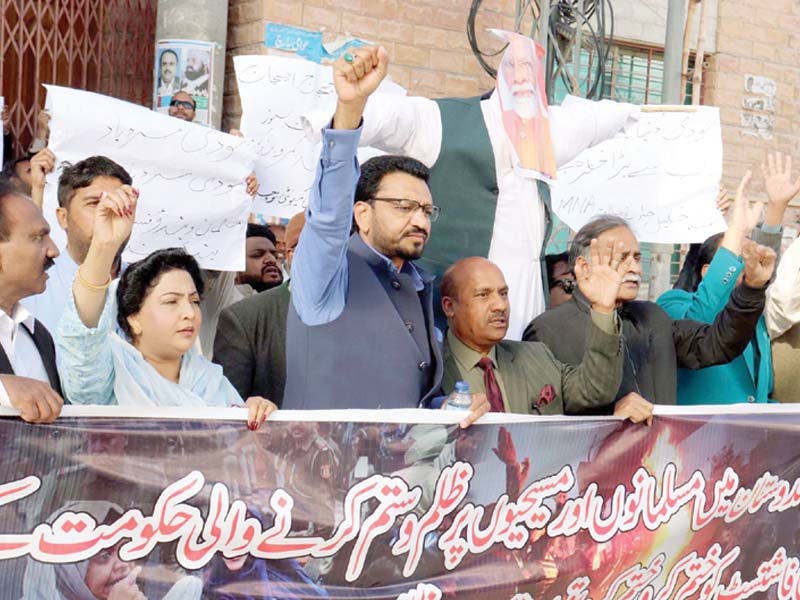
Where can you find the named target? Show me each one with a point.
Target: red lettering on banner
(275, 541)
(507, 520)
(651, 502)
(12, 546)
(451, 489)
(395, 499)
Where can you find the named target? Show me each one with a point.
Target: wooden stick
(653, 108)
(687, 36)
(697, 76)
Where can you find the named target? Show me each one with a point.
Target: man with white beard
(495, 201)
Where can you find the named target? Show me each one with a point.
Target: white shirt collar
(19, 316)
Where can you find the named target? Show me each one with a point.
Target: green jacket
(528, 368)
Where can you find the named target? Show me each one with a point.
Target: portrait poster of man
(521, 87)
(184, 66)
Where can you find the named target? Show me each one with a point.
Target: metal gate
(103, 46)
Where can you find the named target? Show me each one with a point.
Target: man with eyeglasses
(182, 106)
(360, 331)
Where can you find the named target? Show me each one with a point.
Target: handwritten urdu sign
(277, 93)
(662, 175)
(191, 178)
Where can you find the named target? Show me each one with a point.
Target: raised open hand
(778, 179)
(744, 216)
(607, 268)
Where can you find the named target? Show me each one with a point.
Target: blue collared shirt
(319, 266)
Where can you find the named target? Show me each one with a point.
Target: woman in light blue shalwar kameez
(153, 360)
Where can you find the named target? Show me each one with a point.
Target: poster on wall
(184, 66)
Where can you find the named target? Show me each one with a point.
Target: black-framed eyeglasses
(409, 207)
(568, 285)
(183, 104)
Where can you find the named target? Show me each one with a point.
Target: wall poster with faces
(184, 66)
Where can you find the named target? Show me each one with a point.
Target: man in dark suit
(250, 343)
(655, 345)
(28, 377)
(524, 377)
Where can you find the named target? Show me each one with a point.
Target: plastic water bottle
(460, 398)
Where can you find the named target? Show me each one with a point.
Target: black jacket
(47, 350)
(655, 345)
(251, 344)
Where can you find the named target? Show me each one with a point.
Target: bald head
(475, 300)
(182, 106)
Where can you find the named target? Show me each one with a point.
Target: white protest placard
(661, 174)
(191, 179)
(276, 93)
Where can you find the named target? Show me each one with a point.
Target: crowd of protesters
(340, 291)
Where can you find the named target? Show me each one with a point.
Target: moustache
(416, 230)
(632, 279)
(48, 264)
(525, 87)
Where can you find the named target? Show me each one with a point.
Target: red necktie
(493, 394)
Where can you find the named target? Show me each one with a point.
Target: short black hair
(551, 260)
(378, 167)
(594, 228)
(258, 230)
(699, 254)
(139, 277)
(10, 166)
(168, 51)
(7, 188)
(84, 172)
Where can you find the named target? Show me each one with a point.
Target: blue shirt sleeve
(319, 266)
(84, 357)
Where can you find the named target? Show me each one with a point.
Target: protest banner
(402, 504)
(191, 178)
(276, 94)
(661, 174)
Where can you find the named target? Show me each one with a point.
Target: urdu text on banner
(402, 504)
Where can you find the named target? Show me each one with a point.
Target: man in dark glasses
(182, 106)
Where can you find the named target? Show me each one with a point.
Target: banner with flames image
(401, 505)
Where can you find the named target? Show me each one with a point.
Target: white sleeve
(783, 296)
(4, 399)
(395, 124)
(579, 124)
